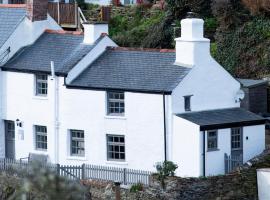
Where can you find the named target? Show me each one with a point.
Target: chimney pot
(37, 10)
(92, 31)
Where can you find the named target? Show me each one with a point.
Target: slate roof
(10, 17)
(223, 118)
(132, 70)
(251, 82)
(66, 50)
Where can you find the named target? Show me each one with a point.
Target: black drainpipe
(204, 153)
(165, 132)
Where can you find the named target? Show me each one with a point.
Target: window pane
(116, 102)
(187, 103)
(77, 143)
(212, 137)
(41, 137)
(115, 147)
(41, 85)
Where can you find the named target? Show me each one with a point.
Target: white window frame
(78, 140)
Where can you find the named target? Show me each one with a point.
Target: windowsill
(78, 158)
(114, 162)
(212, 150)
(41, 151)
(40, 97)
(122, 117)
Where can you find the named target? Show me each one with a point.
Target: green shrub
(167, 168)
(38, 183)
(136, 188)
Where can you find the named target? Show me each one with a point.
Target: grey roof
(251, 82)
(66, 50)
(132, 70)
(9, 19)
(223, 118)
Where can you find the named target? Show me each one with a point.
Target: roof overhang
(232, 125)
(223, 118)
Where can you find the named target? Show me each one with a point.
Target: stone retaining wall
(241, 184)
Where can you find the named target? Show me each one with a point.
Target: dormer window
(41, 85)
(115, 103)
(187, 103)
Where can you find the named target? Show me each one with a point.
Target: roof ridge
(62, 32)
(141, 49)
(12, 5)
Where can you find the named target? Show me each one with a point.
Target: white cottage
(82, 99)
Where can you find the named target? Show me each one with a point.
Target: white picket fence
(85, 171)
(232, 162)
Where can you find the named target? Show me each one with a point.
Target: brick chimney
(37, 10)
(192, 48)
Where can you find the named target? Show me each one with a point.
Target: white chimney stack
(92, 31)
(192, 48)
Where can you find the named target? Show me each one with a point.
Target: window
(187, 102)
(115, 147)
(116, 103)
(236, 139)
(41, 85)
(77, 143)
(41, 137)
(212, 140)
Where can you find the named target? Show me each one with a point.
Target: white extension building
(79, 98)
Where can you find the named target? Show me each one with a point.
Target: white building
(81, 99)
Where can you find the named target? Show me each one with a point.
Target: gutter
(164, 125)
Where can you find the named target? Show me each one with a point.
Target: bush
(136, 187)
(167, 168)
(38, 183)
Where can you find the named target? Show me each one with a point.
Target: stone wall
(241, 184)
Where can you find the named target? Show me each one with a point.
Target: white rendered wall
(214, 160)
(21, 103)
(254, 141)
(186, 148)
(211, 86)
(85, 110)
(25, 34)
(142, 126)
(253, 146)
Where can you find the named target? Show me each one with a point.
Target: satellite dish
(240, 95)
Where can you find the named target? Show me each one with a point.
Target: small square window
(115, 103)
(212, 140)
(187, 100)
(41, 85)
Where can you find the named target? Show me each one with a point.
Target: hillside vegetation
(239, 30)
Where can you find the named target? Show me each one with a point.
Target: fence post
(125, 176)
(117, 191)
(58, 169)
(225, 163)
(58, 12)
(83, 171)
